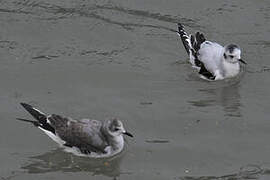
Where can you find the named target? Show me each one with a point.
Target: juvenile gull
(84, 137)
(213, 61)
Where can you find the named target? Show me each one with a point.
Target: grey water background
(103, 59)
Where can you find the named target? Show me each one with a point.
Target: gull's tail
(191, 43)
(35, 123)
(39, 116)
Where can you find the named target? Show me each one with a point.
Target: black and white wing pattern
(192, 46)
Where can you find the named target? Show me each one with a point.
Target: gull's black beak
(128, 134)
(242, 61)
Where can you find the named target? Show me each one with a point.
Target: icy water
(103, 59)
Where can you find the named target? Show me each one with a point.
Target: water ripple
(57, 160)
(146, 14)
(35, 8)
(247, 172)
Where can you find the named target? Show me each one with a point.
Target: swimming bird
(83, 137)
(213, 61)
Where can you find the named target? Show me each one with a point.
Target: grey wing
(79, 134)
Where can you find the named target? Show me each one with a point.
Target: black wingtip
(180, 27)
(26, 106)
(38, 115)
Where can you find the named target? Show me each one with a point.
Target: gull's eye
(231, 56)
(116, 129)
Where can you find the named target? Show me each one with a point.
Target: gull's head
(116, 128)
(232, 54)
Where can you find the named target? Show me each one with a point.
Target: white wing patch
(38, 111)
(54, 137)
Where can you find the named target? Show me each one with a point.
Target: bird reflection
(57, 160)
(225, 95)
(230, 100)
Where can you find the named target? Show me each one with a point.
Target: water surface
(102, 59)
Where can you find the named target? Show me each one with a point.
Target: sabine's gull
(213, 61)
(83, 137)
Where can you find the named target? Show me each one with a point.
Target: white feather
(54, 137)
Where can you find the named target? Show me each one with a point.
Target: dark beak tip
(128, 134)
(242, 61)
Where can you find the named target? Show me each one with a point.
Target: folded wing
(84, 135)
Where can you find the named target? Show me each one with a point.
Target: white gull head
(232, 53)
